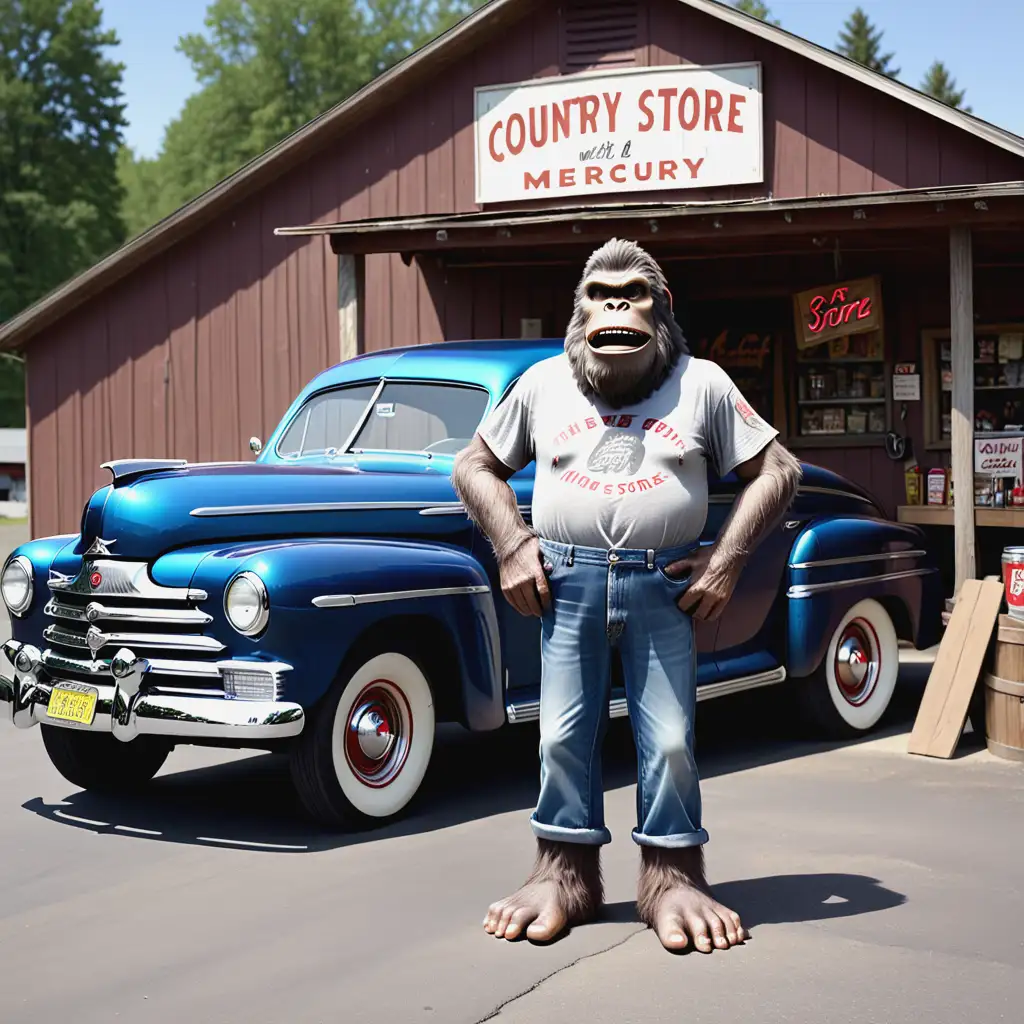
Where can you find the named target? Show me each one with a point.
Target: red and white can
(1013, 580)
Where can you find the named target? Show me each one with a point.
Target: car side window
(326, 421)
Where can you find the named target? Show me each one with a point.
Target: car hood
(160, 511)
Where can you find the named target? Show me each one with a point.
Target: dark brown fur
(662, 870)
(595, 377)
(576, 869)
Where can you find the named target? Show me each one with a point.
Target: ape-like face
(622, 340)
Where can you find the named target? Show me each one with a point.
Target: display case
(998, 382)
(841, 390)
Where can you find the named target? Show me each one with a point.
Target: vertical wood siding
(208, 343)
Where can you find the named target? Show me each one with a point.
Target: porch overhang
(994, 207)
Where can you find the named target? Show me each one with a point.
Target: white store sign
(998, 456)
(632, 130)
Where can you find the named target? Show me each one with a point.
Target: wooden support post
(961, 324)
(348, 305)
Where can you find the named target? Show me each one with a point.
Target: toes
(492, 918)
(503, 921)
(697, 927)
(519, 920)
(672, 933)
(717, 926)
(548, 924)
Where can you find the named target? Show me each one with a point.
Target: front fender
(43, 553)
(328, 594)
(836, 562)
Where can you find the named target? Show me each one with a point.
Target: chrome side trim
(96, 640)
(529, 710)
(458, 509)
(95, 612)
(326, 506)
(810, 589)
(121, 579)
(348, 600)
(857, 559)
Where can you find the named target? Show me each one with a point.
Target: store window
(998, 382)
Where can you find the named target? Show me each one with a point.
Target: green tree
(939, 83)
(265, 68)
(61, 117)
(756, 9)
(861, 41)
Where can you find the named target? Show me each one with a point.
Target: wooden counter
(942, 515)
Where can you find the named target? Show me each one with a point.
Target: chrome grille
(112, 604)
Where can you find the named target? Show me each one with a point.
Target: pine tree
(939, 83)
(756, 9)
(861, 41)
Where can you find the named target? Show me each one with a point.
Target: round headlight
(16, 584)
(247, 604)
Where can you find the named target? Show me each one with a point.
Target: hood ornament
(99, 547)
(96, 640)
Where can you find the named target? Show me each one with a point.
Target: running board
(529, 710)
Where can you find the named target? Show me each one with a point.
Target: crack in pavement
(547, 977)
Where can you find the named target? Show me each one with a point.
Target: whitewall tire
(365, 754)
(854, 686)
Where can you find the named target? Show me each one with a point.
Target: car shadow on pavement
(249, 802)
(789, 899)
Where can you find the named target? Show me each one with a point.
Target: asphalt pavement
(879, 888)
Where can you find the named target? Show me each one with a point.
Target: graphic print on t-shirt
(617, 452)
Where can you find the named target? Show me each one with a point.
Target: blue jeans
(603, 599)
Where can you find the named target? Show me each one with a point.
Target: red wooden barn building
(457, 196)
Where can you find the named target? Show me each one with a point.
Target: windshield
(410, 416)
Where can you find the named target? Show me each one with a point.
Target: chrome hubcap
(378, 733)
(856, 662)
(373, 731)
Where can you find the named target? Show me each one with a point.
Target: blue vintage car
(332, 600)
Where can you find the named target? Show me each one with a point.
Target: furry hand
(523, 581)
(711, 583)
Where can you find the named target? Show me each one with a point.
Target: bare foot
(674, 899)
(563, 889)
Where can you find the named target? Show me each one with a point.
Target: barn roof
(485, 21)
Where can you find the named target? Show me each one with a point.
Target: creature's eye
(596, 293)
(634, 292)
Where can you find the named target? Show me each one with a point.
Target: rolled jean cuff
(676, 842)
(583, 836)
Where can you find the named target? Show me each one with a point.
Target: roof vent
(599, 34)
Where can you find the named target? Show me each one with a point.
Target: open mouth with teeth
(618, 339)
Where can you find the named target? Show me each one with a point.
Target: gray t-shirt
(624, 478)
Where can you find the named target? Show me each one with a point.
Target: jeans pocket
(674, 581)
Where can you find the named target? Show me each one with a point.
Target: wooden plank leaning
(957, 668)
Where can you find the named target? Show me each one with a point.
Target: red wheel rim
(858, 662)
(378, 733)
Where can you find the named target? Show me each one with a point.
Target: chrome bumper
(122, 710)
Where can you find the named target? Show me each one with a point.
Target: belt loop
(572, 552)
(650, 558)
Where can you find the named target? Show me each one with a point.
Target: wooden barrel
(1004, 692)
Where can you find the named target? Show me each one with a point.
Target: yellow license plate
(72, 705)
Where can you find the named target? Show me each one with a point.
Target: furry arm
(774, 475)
(480, 480)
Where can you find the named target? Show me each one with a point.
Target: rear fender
(836, 562)
(329, 597)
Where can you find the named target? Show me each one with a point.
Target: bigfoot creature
(621, 426)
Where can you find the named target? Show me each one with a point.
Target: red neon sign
(836, 310)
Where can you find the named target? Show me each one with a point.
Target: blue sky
(980, 42)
